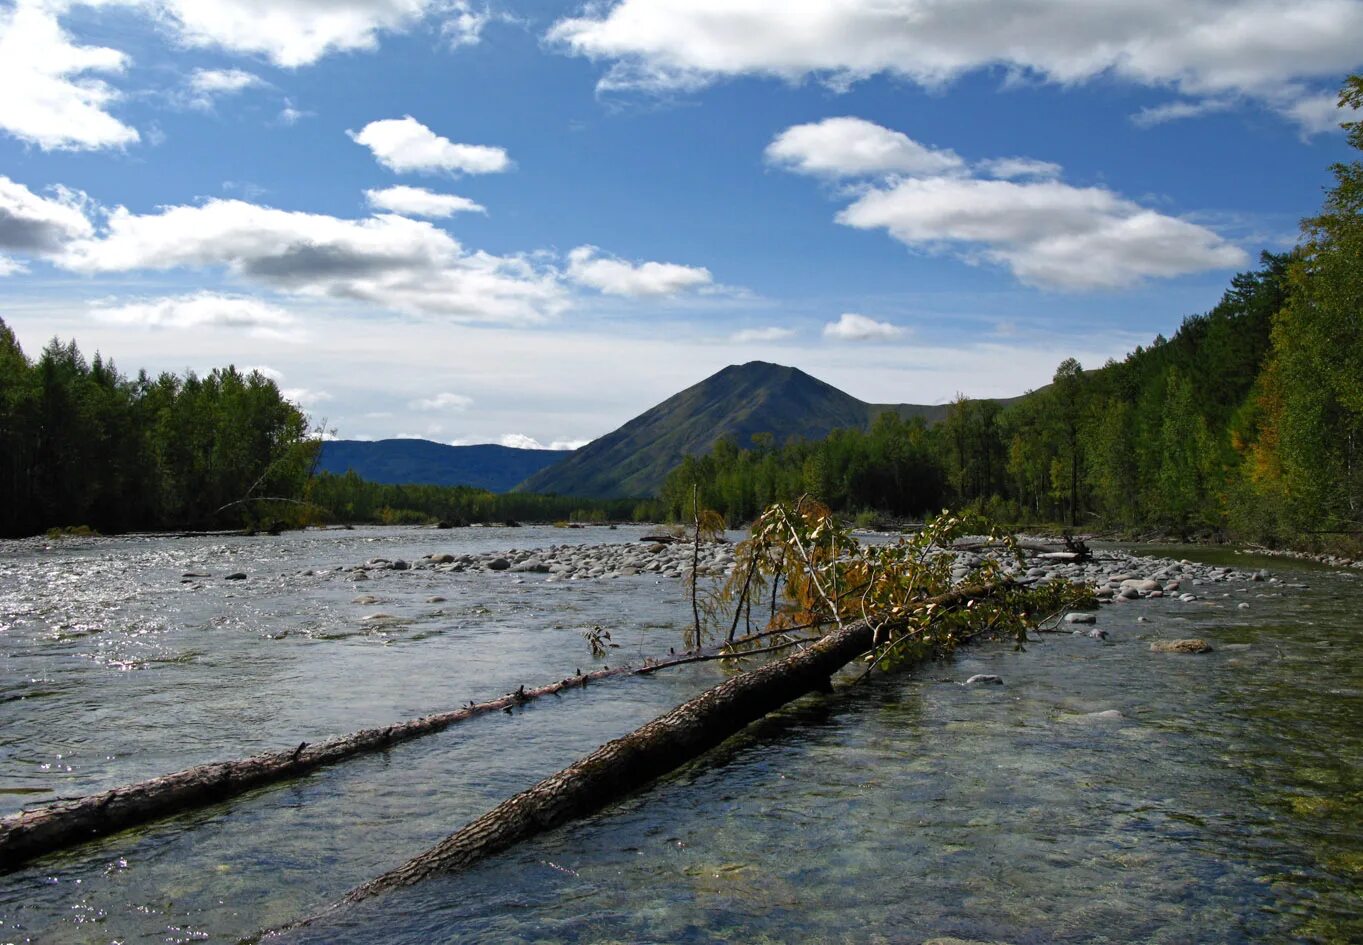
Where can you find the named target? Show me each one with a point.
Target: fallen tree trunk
(660, 746)
(38, 831)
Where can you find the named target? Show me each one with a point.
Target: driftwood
(41, 830)
(630, 762)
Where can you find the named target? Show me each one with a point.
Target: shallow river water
(1222, 800)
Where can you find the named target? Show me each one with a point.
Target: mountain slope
(488, 466)
(737, 402)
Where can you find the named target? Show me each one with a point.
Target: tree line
(1247, 422)
(348, 498)
(83, 445)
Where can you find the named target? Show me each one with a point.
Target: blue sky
(527, 222)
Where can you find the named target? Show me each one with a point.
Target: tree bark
(38, 831)
(627, 763)
(32, 833)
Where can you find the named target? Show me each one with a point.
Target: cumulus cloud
(852, 147)
(53, 96)
(405, 145)
(1048, 233)
(419, 202)
(9, 267)
(520, 441)
(199, 310)
(289, 33)
(748, 335)
(586, 266)
(390, 261)
(57, 95)
(1199, 48)
(444, 401)
(854, 327)
(37, 225)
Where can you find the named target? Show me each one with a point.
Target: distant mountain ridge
(402, 461)
(737, 402)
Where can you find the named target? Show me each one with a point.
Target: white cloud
(617, 277)
(289, 33)
(199, 310)
(1014, 168)
(748, 335)
(520, 441)
(1317, 113)
(51, 94)
(289, 115)
(419, 202)
(464, 27)
(206, 85)
(1046, 232)
(9, 267)
(304, 397)
(266, 372)
(40, 226)
(1179, 110)
(854, 327)
(223, 81)
(444, 401)
(389, 261)
(852, 147)
(1196, 47)
(404, 145)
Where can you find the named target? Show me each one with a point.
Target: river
(1104, 793)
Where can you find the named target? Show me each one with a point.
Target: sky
(527, 222)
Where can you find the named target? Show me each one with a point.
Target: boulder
(1191, 645)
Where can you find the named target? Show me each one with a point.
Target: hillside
(737, 402)
(487, 466)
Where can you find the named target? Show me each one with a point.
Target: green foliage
(904, 590)
(348, 498)
(81, 442)
(891, 467)
(1307, 438)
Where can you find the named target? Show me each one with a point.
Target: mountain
(487, 466)
(737, 402)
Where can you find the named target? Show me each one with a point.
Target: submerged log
(632, 761)
(41, 830)
(37, 831)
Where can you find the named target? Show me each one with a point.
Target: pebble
(1079, 617)
(237, 576)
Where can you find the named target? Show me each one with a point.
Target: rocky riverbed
(570, 562)
(1116, 577)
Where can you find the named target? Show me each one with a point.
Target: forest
(1247, 423)
(82, 445)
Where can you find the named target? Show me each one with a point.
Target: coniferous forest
(82, 445)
